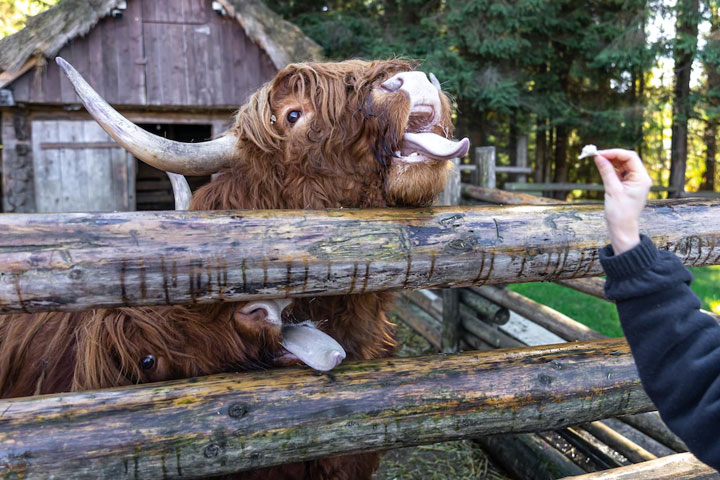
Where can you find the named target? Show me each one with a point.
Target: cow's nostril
(392, 85)
(258, 314)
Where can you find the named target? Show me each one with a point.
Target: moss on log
(79, 261)
(228, 423)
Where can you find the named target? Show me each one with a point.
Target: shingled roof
(48, 32)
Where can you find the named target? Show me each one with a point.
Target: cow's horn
(201, 158)
(181, 191)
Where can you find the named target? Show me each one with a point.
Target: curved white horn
(184, 158)
(434, 81)
(181, 191)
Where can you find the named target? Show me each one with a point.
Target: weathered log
(600, 454)
(592, 286)
(495, 195)
(420, 321)
(630, 450)
(652, 425)
(683, 466)
(571, 330)
(528, 457)
(234, 422)
(484, 308)
(427, 300)
(451, 330)
(489, 334)
(78, 261)
(471, 342)
(640, 438)
(546, 317)
(568, 187)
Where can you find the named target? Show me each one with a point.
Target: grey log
(682, 466)
(484, 308)
(234, 422)
(528, 457)
(629, 449)
(546, 317)
(75, 261)
(484, 174)
(422, 322)
(652, 425)
(488, 333)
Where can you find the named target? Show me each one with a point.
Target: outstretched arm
(676, 347)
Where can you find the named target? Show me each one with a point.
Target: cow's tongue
(314, 347)
(434, 146)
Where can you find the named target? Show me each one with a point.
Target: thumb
(609, 176)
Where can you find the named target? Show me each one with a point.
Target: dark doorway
(152, 186)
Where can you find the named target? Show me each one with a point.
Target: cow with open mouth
(352, 134)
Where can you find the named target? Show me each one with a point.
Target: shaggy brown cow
(349, 134)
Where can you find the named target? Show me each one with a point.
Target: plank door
(79, 168)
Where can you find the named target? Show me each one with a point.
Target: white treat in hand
(588, 151)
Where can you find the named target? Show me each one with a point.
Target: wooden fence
(546, 455)
(79, 261)
(228, 423)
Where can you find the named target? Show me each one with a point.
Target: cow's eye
(294, 116)
(148, 362)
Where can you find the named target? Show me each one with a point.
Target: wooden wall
(170, 53)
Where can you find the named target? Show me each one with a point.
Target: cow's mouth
(420, 144)
(302, 341)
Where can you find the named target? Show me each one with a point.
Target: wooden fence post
(521, 158)
(484, 174)
(450, 335)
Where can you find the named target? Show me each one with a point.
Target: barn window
(152, 186)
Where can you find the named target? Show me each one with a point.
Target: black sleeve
(675, 346)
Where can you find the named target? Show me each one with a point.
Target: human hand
(627, 184)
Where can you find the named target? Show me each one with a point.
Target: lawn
(601, 315)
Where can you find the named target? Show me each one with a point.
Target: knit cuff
(629, 263)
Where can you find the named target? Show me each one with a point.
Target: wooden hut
(177, 67)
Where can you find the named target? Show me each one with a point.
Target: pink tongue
(434, 146)
(314, 347)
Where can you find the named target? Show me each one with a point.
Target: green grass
(601, 315)
(707, 286)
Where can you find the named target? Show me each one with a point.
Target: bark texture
(73, 262)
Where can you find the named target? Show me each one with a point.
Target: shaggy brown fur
(339, 154)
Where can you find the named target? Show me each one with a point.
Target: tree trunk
(684, 54)
(540, 150)
(713, 99)
(233, 422)
(561, 146)
(708, 181)
(513, 138)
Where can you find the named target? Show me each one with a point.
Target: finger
(624, 159)
(610, 176)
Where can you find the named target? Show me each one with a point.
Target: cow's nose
(424, 96)
(393, 84)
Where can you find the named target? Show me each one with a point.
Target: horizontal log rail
(495, 195)
(78, 261)
(566, 187)
(683, 466)
(227, 423)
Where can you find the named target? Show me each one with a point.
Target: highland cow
(330, 135)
